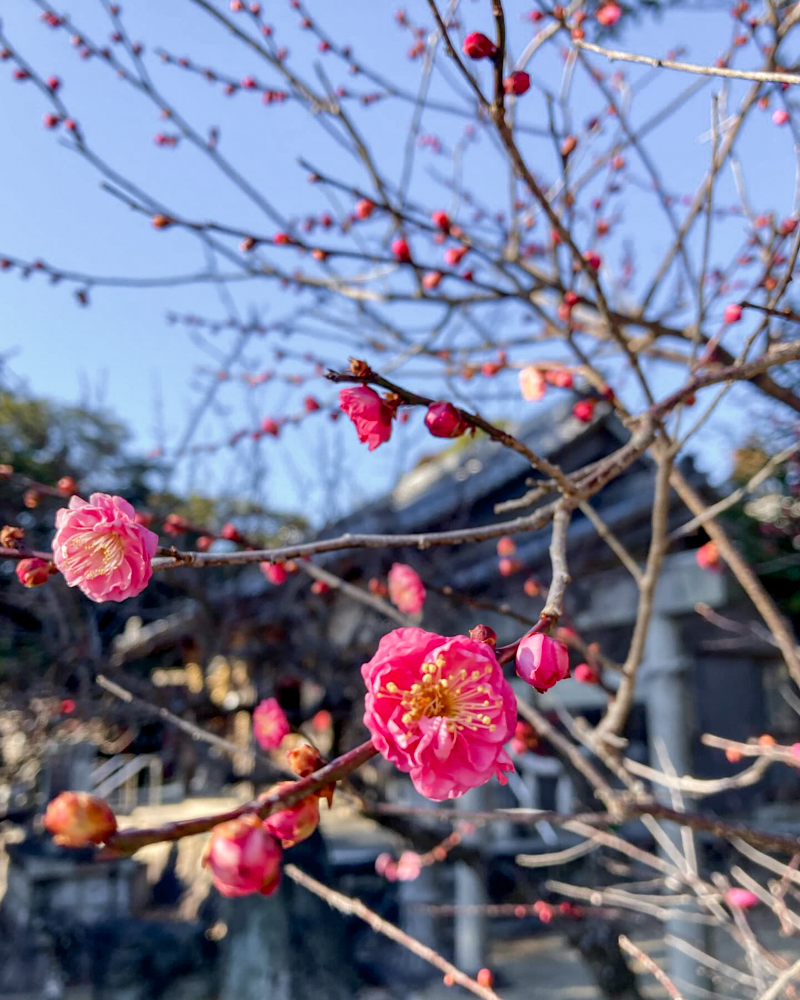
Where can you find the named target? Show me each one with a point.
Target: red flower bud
(76, 819)
(478, 46)
(230, 532)
(517, 83)
(444, 420)
(559, 377)
(310, 404)
(441, 220)
(269, 426)
(583, 410)
(593, 259)
(400, 250)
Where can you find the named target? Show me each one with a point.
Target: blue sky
(121, 350)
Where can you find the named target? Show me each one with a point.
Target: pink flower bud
(310, 404)
(409, 866)
(244, 858)
(517, 83)
(371, 415)
(230, 532)
(454, 255)
(733, 313)
(401, 251)
(541, 661)
(364, 209)
(583, 410)
(431, 280)
(478, 46)
(270, 724)
(274, 572)
(441, 220)
(76, 819)
(509, 566)
(506, 546)
(708, 556)
(445, 421)
(559, 377)
(609, 14)
(269, 426)
(568, 146)
(743, 899)
(584, 674)
(34, 572)
(406, 589)
(531, 383)
(532, 587)
(294, 823)
(780, 116)
(593, 259)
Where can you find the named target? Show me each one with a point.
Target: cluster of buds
(508, 563)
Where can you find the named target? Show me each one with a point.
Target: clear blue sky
(122, 351)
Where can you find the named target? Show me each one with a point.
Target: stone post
(669, 731)
(470, 891)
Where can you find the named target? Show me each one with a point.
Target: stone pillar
(470, 890)
(669, 730)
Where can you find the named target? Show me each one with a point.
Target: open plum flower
(439, 708)
(102, 549)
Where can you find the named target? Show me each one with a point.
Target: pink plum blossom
(270, 724)
(440, 709)
(406, 590)
(100, 547)
(370, 414)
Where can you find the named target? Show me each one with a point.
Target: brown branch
(129, 840)
(473, 419)
(658, 973)
(354, 907)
